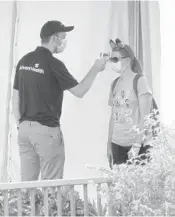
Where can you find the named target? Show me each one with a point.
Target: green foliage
(147, 190)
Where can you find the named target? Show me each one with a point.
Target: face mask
(60, 48)
(123, 69)
(116, 67)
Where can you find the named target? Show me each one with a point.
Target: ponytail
(136, 66)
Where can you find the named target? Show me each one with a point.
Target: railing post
(86, 207)
(19, 202)
(46, 202)
(72, 201)
(99, 207)
(59, 201)
(110, 205)
(6, 208)
(32, 193)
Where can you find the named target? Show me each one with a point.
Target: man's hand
(99, 64)
(133, 153)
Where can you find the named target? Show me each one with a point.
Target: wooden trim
(85, 193)
(46, 207)
(59, 202)
(99, 204)
(19, 202)
(72, 201)
(32, 201)
(6, 203)
(51, 183)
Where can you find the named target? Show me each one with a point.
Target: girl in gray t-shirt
(128, 110)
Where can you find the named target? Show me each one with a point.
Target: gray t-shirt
(125, 110)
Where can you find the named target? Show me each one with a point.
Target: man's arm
(15, 106)
(83, 87)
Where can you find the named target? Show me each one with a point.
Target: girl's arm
(145, 103)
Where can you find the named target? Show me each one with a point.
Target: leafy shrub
(147, 190)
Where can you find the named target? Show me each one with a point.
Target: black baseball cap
(52, 27)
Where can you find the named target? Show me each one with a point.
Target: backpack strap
(135, 83)
(114, 84)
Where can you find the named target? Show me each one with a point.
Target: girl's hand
(109, 152)
(134, 151)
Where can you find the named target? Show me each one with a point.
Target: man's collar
(43, 49)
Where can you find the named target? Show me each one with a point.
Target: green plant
(147, 190)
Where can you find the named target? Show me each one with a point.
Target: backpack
(156, 128)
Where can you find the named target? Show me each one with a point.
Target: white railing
(57, 184)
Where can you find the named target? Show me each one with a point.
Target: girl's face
(119, 56)
(118, 61)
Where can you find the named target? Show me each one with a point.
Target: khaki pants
(41, 149)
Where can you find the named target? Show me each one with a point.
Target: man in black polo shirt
(39, 84)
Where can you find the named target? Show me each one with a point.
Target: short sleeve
(64, 78)
(143, 86)
(16, 80)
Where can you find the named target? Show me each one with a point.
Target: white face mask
(116, 67)
(60, 48)
(124, 68)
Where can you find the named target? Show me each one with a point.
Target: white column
(155, 46)
(8, 13)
